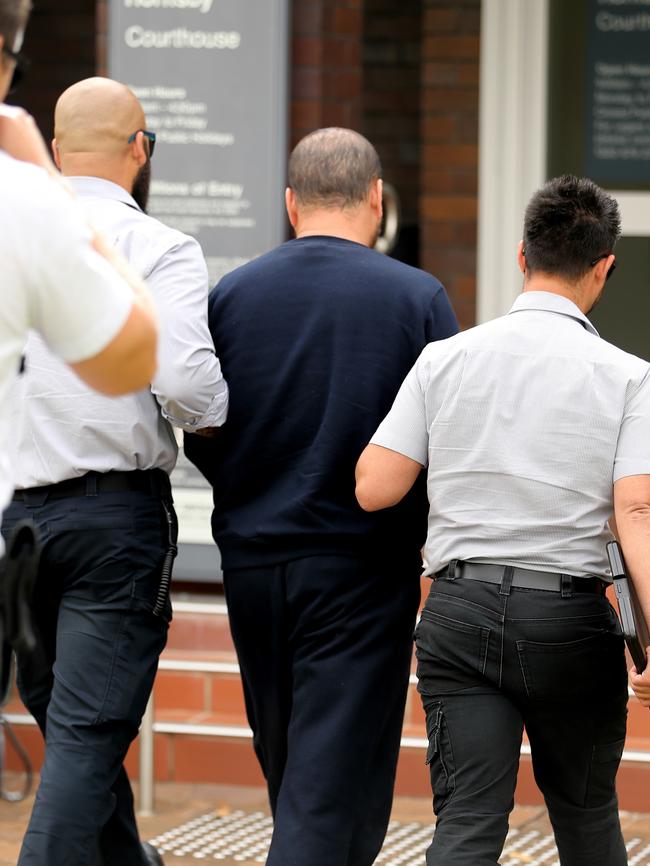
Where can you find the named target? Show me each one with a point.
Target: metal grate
(245, 837)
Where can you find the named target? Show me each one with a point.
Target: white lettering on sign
(137, 37)
(611, 22)
(201, 5)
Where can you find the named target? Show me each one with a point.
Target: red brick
(468, 74)
(307, 18)
(435, 99)
(228, 696)
(161, 756)
(31, 740)
(438, 74)
(438, 128)
(345, 21)
(207, 759)
(307, 51)
(305, 115)
(188, 691)
(439, 155)
(450, 46)
(307, 84)
(440, 20)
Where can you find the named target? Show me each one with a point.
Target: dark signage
(618, 92)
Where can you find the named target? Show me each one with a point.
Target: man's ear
(291, 206)
(602, 268)
(139, 148)
(377, 197)
(56, 156)
(521, 258)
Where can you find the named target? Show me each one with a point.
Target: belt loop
(91, 484)
(452, 570)
(34, 497)
(506, 581)
(566, 584)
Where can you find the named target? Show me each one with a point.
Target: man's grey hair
(13, 17)
(333, 168)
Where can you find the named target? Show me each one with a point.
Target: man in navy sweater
(315, 339)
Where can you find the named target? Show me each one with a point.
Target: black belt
(154, 481)
(523, 578)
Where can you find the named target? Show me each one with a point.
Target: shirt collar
(549, 302)
(98, 187)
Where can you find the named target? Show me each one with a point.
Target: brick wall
(326, 69)
(449, 130)
(391, 104)
(61, 44)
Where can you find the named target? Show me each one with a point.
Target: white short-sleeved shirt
(524, 424)
(53, 281)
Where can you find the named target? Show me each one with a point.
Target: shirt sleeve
(404, 429)
(189, 384)
(78, 301)
(633, 447)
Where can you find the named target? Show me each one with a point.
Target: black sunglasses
(20, 68)
(151, 136)
(599, 259)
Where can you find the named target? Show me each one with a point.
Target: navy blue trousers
(324, 644)
(493, 660)
(88, 683)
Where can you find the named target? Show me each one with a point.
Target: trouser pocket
(440, 758)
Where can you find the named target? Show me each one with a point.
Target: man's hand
(640, 684)
(20, 138)
(207, 432)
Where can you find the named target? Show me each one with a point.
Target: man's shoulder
(330, 253)
(634, 366)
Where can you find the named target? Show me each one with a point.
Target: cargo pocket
(440, 758)
(602, 774)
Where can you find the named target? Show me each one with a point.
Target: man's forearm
(633, 529)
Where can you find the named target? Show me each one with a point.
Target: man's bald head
(96, 116)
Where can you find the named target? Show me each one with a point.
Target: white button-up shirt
(53, 281)
(71, 430)
(524, 423)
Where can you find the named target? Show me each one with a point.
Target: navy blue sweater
(314, 339)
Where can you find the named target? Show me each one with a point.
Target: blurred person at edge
(533, 432)
(58, 277)
(314, 338)
(94, 476)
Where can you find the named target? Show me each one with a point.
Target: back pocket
(571, 670)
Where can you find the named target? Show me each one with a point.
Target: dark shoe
(151, 855)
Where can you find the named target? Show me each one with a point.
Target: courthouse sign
(618, 92)
(212, 78)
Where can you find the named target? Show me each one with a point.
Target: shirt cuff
(409, 448)
(214, 416)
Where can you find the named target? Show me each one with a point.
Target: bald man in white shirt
(94, 476)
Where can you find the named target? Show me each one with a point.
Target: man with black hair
(534, 432)
(314, 338)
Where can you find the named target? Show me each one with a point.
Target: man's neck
(333, 224)
(556, 286)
